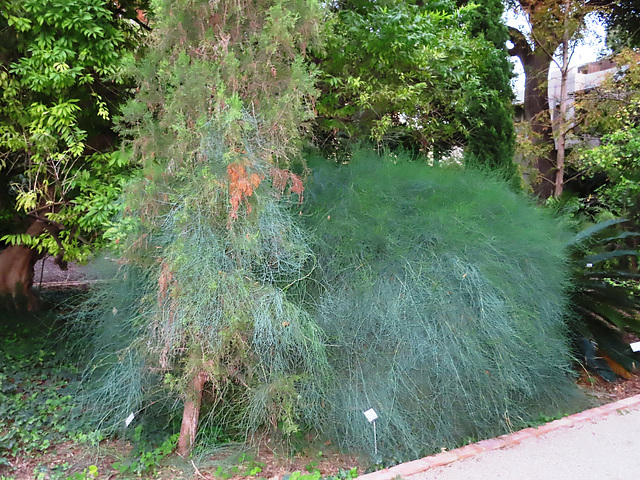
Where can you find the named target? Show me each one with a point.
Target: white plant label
(371, 415)
(129, 419)
(635, 346)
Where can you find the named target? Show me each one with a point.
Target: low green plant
(38, 380)
(541, 420)
(606, 296)
(87, 474)
(35, 395)
(316, 475)
(312, 466)
(344, 474)
(147, 461)
(246, 466)
(302, 476)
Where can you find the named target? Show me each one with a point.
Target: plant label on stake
(635, 346)
(129, 419)
(372, 416)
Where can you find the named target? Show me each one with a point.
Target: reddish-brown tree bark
(16, 272)
(191, 413)
(17, 263)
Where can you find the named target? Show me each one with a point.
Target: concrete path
(602, 443)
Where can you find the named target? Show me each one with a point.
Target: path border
(503, 441)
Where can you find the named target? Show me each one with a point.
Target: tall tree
(61, 82)
(492, 142)
(419, 74)
(552, 24)
(224, 92)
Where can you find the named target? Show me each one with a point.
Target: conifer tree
(223, 93)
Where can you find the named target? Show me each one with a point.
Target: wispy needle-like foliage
(444, 303)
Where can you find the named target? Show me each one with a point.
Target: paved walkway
(602, 443)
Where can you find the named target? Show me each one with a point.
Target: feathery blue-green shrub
(443, 300)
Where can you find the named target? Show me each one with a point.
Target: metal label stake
(372, 416)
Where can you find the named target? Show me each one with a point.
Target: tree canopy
(611, 111)
(551, 24)
(623, 24)
(62, 81)
(421, 75)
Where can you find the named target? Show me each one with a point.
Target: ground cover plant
(42, 438)
(35, 393)
(443, 303)
(38, 377)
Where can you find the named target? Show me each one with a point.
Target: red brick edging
(509, 440)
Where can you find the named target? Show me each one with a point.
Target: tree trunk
(16, 272)
(536, 113)
(564, 98)
(191, 413)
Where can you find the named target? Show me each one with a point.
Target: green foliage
(618, 157)
(623, 22)
(606, 294)
(443, 303)
(316, 475)
(209, 246)
(35, 398)
(491, 142)
(89, 473)
(613, 113)
(419, 75)
(147, 461)
(37, 384)
(61, 73)
(245, 466)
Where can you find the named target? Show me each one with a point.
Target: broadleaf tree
(421, 75)
(553, 27)
(61, 82)
(623, 24)
(612, 111)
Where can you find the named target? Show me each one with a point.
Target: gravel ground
(46, 272)
(606, 449)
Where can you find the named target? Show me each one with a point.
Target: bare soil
(606, 392)
(71, 458)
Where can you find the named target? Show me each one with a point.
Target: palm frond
(603, 301)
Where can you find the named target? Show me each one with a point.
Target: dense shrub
(443, 302)
(438, 297)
